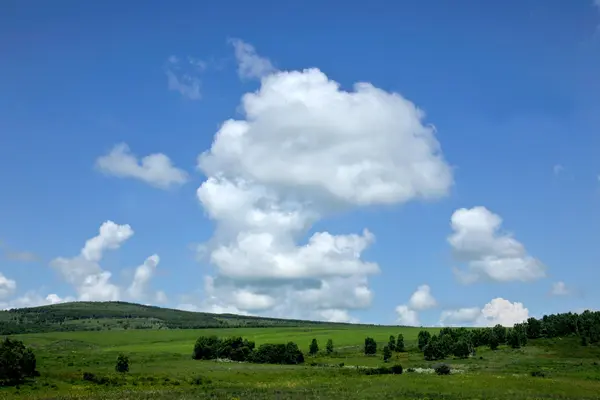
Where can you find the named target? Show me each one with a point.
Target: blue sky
(87, 90)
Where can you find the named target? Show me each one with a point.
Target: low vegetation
(542, 358)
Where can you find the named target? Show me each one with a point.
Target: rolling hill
(96, 316)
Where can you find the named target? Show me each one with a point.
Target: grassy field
(161, 368)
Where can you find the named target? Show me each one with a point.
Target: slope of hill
(95, 316)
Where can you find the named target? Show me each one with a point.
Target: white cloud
(154, 169)
(422, 299)
(497, 311)
(91, 282)
(559, 289)
(304, 150)
(488, 252)
(557, 169)
(139, 286)
(250, 64)
(161, 297)
(182, 79)
(407, 317)
(7, 286)
(33, 299)
(503, 312)
(461, 316)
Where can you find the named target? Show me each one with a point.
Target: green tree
(534, 328)
(423, 338)
(461, 349)
(329, 346)
(392, 343)
(370, 346)
(17, 362)
(493, 341)
(400, 343)
(513, 339)
(314, 347)
(433, 350)
(387, 353)
(500, 333)
(122, 363)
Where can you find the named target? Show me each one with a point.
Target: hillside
(96, 316)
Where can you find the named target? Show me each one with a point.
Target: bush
(370, 346)
(329, 347)
(538, 374)
(376, 371)
(233, 348)
(88, 376)
(397, 369)
(199, 380)
(206, 348)
(410, 370)
(278, 354)
(17, 362)
(122, 365)
(314, 347)
(442, 369)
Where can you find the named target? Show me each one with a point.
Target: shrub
(329, 346)
(397, 369)
(442, 369)
(278, 354)
(376, 371)
(206, 348)
(122, 365)
(88, 376)
(387, 353)
(410, 370)
(537, 374)
(314, 347)
(370, 346)
(17, 362)
(199, 380)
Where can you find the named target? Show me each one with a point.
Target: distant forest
(97, 316)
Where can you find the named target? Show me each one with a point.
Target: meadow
(161, 367)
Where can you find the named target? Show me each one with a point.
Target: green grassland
(161, 367)
(76, 338)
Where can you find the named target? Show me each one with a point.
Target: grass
(161, 368)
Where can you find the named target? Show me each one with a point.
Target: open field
(161, 367)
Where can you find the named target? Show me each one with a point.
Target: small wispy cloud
(560, 289)
(15, 255)
(250, 64)
(558, 169)
(183, 77)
